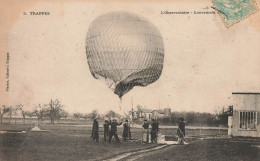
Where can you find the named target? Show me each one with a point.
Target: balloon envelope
(125, 50)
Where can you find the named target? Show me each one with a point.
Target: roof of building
(159, 111)
(143, 109)
(245, 93)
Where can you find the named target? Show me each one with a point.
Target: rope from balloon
(120, 103)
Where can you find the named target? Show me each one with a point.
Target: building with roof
(156, 114)
(246, 115)
(144, 113)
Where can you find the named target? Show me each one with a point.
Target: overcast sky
(204, 62)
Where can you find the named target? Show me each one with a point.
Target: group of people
(110, 130)
(154, 130)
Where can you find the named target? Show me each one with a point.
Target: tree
(223, 117)
(3, 110)
(60, 113)
(77, 116)
(191, 117)
(29, 113)
(10, 113)
(20, 107)
(86, 116)
(40, 111)
(64, 114)
(113, 114)
(55, 110)
(110, 114)
(93, 114)
(175, 117)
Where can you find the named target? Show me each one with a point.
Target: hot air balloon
(125, 50)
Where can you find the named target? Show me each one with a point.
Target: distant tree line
(199, 119)
(52, 111)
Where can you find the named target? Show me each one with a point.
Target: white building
(246, 115)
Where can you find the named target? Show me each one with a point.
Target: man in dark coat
(113, 130)
(95, 127)
(181, 131)
(126, 130)
(146, 130)
(154, 131)
(106, 130)
(157, 126)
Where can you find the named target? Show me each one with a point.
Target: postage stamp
(233, 11)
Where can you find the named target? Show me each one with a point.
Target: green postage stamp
(232, 11)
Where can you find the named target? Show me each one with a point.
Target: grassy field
(208, 150)
(69, 142)
(85, 129)
(62, 144)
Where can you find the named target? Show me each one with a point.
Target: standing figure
(126, 130)
(95, 127)
(113, 130)
(157, 126)
(129, 132)
(106, 130)
(146, 130)
(154, 131)
(181, 131)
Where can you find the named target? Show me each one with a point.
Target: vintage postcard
(129, 80)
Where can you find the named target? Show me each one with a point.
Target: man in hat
(154, 131)
(126, 130)
(106, 130)
(146, 130)
(181, 131)
(95, 127)
(113, 130)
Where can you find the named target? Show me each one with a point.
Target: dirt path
(135, 154)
